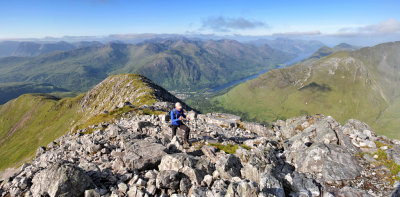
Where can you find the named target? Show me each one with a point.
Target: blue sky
(57, 18)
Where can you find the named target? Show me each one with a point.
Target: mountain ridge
(45, 117)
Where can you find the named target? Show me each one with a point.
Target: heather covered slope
(362, 84)
(34, 120)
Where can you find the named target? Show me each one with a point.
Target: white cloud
(225, 24)
(385, 27)
(299, 33)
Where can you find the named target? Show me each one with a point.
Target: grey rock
(259, 129)
(135, 192)
(271, 186)
(228, 120)
(228, 166)
(168, 179)
(242, 188)
(349, 191)
(201, 192)
(113, 130)
(122, 187)
(185, 184)
(58, 179)
(194, 168)
(219, 188)
(394, 154)
(91, 193)
(396, 192)
(143, 155)
(333, 162)
(303, 186)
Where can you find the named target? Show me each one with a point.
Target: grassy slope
(35, 120)
(364, 88)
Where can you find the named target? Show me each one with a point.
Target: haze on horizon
(355, 22)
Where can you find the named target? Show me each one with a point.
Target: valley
(176, 64)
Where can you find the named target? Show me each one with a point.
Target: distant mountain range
(362, 84)
(298, 47)
(27, 49)
(178, 64)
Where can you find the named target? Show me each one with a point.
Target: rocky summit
(125, 148)
(136, 156)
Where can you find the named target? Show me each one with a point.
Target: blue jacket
(175, 114)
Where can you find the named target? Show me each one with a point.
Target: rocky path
(303, 156)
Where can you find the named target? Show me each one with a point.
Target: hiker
(177, 116)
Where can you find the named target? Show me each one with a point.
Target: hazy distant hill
(26, 49)
(297, 47)
(174, 64)
(325, 51)
(362, 84)
(7, 48)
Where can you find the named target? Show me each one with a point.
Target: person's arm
(173, 117)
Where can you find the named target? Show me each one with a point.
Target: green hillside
(30, 121)
(362, 84)
(179, 64)
(34, 120)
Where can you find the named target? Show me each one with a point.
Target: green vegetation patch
(229, 148)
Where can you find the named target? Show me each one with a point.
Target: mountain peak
(119, 90)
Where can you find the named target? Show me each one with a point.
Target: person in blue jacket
(177, 116)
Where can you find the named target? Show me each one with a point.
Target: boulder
(228, 166)
(303, 186)
(192, 167)
(349, 191)
(219, 188)
(143, 155)
(271, 186)
(258, 129)
(328, 161)
(242, 188)
(201, 192)
(59, 179)
(168, 179)
(185, 185)
(227, 120)
(176, 161)
(113, 130)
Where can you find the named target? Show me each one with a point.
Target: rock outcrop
(136, 156)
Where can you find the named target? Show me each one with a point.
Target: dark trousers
(183, 127)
